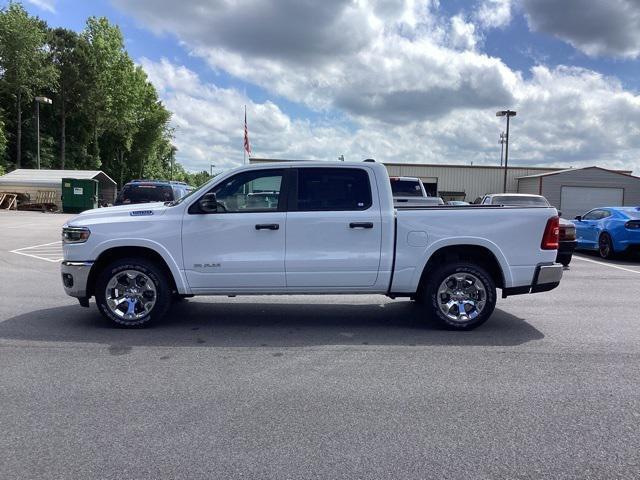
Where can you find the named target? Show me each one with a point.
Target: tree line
(105, 114)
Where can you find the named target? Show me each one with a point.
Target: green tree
(23, 62)
(3, 144)
(108, 67)
(69, 54)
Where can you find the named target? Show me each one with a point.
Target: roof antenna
(370, 160)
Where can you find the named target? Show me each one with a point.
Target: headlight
(75, 234)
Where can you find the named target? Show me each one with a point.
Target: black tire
(160, 281)
(564, 259)
(431, 298)
(605, 246)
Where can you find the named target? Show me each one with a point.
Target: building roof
(436, 165)
(28, 176)
(619, 172)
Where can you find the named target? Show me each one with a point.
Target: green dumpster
(79, 194)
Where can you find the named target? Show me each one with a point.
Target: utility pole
(38, 100)
(508, 114)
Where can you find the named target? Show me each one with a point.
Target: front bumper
(75, 277)
(545, 278)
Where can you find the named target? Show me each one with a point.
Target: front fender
(173, 263)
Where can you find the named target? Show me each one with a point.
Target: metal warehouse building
(32, 181)
(576, 190)
(571, 190)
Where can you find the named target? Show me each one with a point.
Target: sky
(416, 81)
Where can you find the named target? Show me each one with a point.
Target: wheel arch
(115, 253)
(478, 254)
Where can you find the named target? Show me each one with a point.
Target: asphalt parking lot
(315, 387)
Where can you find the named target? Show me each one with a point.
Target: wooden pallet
(45, 196)
(8, 201)
(45, 201)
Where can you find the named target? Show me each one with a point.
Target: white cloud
(494, 13)
(462, 33)
(414, 88)
(48, 5)
(566, 116)
(596, 27)
(401, 62)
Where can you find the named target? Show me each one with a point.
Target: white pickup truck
(307, 228)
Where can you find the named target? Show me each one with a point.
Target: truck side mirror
(579, 218)
(208, 203)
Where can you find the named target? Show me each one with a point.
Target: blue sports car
(609, 230)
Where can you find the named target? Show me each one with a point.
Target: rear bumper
(75, 277)
(545, 278)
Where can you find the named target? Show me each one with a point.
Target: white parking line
(21, 225)
(606, 264)
(49, 252)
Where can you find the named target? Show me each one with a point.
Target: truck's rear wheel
(459, 296)
(132, 292)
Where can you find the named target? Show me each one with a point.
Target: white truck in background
(320, 228)
(410, 191)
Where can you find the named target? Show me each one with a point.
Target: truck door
(334, 231)
(242, 245)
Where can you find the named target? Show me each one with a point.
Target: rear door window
(333, 189)
(405, 188)
(145, 193)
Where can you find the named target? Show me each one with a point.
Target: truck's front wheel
(132, 292)
(460, 296)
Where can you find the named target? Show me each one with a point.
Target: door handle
(361, 225)
(267, 226)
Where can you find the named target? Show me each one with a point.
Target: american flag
(247, 145)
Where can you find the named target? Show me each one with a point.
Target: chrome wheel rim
(605, 248)
(130, 295)
(462, 297)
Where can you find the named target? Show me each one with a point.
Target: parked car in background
(609, 230)
(146, 191)
(457, 203)
(410, 191)
(567, 228)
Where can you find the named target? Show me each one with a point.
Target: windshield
(406, 188)
(520, 200)
(144, 193)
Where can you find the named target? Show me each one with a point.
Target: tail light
(632, 225)
(551, 237)
(567, 233)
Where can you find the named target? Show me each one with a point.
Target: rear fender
(460, 241)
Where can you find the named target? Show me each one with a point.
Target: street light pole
(173, 154)
(212, 167)
(508, 114)
(503, 137)
(38, 100)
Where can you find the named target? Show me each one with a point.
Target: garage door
(578, 200)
